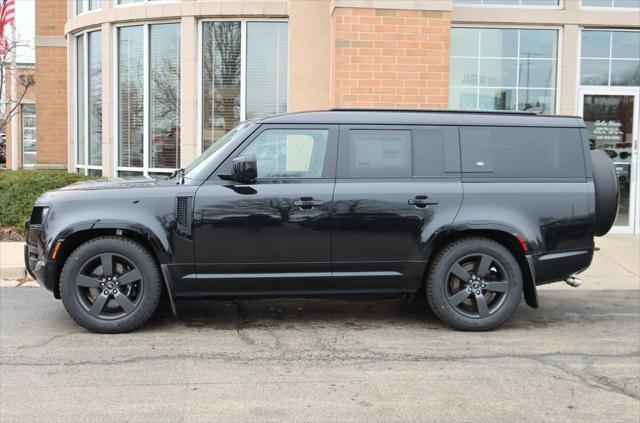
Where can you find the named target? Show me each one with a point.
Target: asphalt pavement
(577, 358)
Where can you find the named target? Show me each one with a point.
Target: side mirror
(245, 168)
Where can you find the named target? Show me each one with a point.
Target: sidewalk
(615, 266)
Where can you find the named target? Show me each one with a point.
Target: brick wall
(388, 58)
(51, 79)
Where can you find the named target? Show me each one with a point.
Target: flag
(7, 16)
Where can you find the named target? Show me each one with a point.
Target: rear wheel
(474, 284)
(110, 285)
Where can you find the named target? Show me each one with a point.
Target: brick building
(25, 137)
(132, 87)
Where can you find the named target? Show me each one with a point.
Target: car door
(272, 235)
(397, 187)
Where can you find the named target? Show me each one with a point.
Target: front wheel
(110, 285)
(474, 284)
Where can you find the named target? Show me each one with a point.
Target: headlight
(38, 215)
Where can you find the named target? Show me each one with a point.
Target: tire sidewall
(437, 284)
(138, 256)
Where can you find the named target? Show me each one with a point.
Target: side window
(374, 153)
(289, 153)
(517, 152)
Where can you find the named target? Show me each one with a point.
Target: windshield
(202, 159)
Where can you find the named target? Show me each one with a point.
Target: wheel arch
(73, 238)
(508, 238)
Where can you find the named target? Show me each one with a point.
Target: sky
(25, 29)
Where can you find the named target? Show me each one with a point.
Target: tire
(499, 287)
(605, 181)
(117, 305)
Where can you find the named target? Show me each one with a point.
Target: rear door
(397, 187)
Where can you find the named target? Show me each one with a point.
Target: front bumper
(43, 271)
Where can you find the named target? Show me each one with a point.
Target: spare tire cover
(607, 191)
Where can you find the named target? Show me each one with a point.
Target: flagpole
(14, 96)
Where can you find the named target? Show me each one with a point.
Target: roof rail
(489, 112)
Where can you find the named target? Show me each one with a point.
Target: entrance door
(611, 116)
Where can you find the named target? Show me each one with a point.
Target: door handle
(422, 201)
(307, 203)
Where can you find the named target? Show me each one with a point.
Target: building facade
(141, 87)
(20, 147)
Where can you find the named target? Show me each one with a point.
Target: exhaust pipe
(573, 281)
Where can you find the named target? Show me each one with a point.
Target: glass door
(611, 116)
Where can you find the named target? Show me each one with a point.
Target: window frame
(86, 167)
(608, 8)
(145, 170)
(22, 128)
(559, 6)
(243, 69)
(609, 59)
(85, 8)
(330, 157)
(559, 55)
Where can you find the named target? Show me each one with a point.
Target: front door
(273, 235)
(611, 116)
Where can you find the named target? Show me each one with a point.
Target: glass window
(83, 6)
(89, 100)
(221, 71)
(266, 68)
(130, 96)
(265, 51)
(94, 92)
(80, 91)
(374, 153)
(164, 55)
(611, 3)
(503, 69)
(289, 153)
(129, 1)
(28, 135)
(522, 152)
(546, 3)
(149, 129)
(610, 58)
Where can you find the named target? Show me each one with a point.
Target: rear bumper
(553, 267)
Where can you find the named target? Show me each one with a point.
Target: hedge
(20, 188)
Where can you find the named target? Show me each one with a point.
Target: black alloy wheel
(477, 285)
(110, 284)
(474, 284)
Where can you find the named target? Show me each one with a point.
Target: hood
(118, 183)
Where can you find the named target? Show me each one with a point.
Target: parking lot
(577, 358)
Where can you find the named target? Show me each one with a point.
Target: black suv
(471, 209)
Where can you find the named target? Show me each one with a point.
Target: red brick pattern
(386, 58)
(51, 80)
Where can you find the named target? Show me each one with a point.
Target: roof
(425, 117)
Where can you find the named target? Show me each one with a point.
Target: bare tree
(9, 106)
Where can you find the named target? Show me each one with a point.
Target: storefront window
(610, 58)
(265, 77)
(28, 135)
(611, 3)
(83, 6)
(89, 101)
(503, 69)
(149, 142)
(507, 2)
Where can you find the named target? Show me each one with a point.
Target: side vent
(184, 214)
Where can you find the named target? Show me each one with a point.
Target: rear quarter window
(521, 152)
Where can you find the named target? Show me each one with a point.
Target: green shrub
(20, 188)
